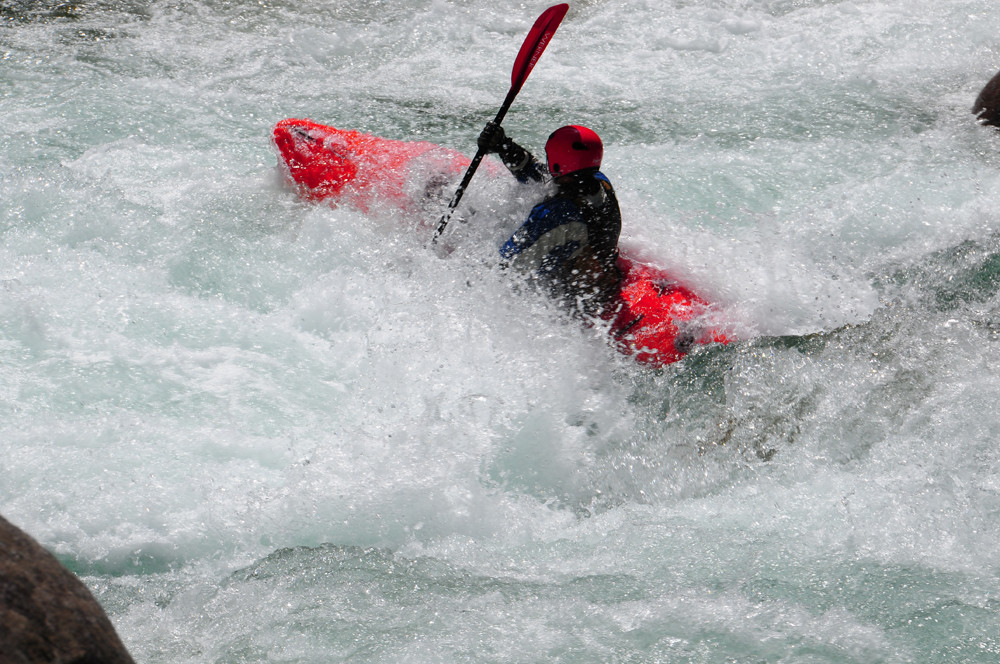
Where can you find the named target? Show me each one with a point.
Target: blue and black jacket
(569, 241)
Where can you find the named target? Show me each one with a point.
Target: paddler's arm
(518, 161)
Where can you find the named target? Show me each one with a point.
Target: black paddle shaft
(446, 217)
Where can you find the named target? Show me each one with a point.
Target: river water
(265, 430)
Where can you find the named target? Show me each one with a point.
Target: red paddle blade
(536, 41)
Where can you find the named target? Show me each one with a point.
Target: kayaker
(569, 242)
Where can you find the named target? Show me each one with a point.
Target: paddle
(536, 41)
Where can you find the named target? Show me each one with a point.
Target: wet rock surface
(987, 106)
(46, 613)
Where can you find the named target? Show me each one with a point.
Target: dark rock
(46, 613)
(987, 106)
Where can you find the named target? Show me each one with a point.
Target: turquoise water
(265, 430)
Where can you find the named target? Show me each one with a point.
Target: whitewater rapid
(261, 429)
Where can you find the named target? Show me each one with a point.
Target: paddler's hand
(491, 138)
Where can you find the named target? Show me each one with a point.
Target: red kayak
(656, 319)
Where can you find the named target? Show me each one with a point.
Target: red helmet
(573, 148)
